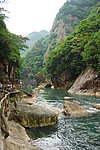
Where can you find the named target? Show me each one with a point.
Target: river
(68, 133)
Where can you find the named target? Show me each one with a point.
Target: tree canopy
(68, 17)
(10, 44)
(78, 50)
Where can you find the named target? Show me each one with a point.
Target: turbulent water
(69, 133)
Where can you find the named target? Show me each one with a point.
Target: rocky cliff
(67, 19)
(87, 83)
(63, 81)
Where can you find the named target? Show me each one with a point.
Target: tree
(78, 50)
(10, 44)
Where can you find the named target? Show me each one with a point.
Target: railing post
(4, 107)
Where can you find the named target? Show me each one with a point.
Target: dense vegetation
(67, 19)
(79, 50)
(33, 37)
(33, 62)
(10, 44)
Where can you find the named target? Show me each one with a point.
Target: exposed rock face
(33, 116)
(18, 139)
(87, 83)
(61, 34)
(97, 106)
(39, 78)
(64, 81)
(74, 109)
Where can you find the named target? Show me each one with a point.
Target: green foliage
(32, 38)
(10, 44)
(33, 61)
(61, 58)
(77, 9)
(78, 50)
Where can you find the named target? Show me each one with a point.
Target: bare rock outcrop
(63, 81)
(87, 83)
(74, 109)
(33, 115)
(18, 139)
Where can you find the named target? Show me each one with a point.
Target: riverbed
(68, 133)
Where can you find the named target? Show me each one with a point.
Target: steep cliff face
(63, 81)
(87, 83)
(76, 52)
(67, 19)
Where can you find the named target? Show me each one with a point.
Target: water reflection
(46, 132)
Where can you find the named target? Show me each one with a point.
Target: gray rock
(18, 138)
(33, 115)
(87, 83)
(74, 109)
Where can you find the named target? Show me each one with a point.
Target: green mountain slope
(33, 62)
(33, 37)
(69, 17)
(10, 45)
(79, 50)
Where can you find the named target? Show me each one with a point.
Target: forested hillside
(33, 37)
(79, 50)
(33, 62)
(68, 17)
(10, 44)
(66, 21)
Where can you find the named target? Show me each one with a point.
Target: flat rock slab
(18, 139)
(29, 101)
(74, 109)
(33, 115)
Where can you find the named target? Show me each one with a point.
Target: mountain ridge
(33, 37)
(46, 45)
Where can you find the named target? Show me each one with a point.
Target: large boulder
(74, 109)
(33, 115)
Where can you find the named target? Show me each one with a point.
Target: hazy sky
(27, 16)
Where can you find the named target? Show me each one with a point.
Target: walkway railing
(4, 107)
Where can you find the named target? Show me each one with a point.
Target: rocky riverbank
(18, 139)
(26, 114)
(87, 83)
